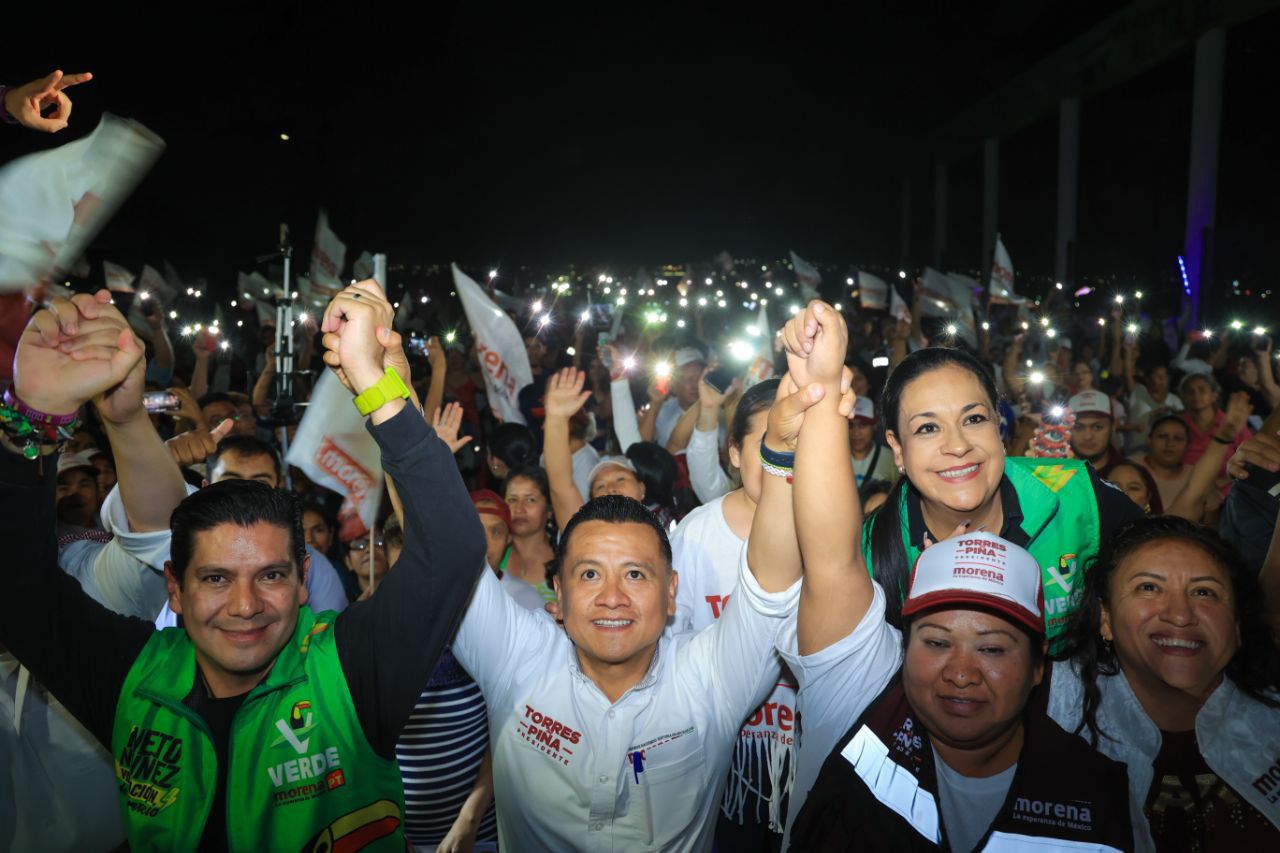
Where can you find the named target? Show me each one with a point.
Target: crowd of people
(895, 590)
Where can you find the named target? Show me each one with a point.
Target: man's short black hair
(215, 397)
(246, 445)
(239, 502)
(614, 509)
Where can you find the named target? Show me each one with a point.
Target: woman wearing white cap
(922, 738)
(939, 410)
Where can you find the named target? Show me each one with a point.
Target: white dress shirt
(573, 771)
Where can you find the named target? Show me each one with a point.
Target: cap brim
(957, 598)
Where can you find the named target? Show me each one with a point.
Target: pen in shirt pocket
(637, 763)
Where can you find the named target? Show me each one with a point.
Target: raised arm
(563, 400)
(150, 482)
(625, 424)
(1012, 369)
(828, 516)
(75, 647)
(682, 431)
(439, 369)
(389, 644)
(1189, 503)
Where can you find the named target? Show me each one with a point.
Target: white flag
(873, 291)
(363, 269)
(499, 345)
(1001, 284)
(118, 278)
(897, 307)
(256, 287)
(335, 450)
(762, 365)
(153, 283)
(947, 294)
(328, 254)
(807, 276)
(53, 203)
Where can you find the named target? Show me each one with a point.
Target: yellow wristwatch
(389, 387)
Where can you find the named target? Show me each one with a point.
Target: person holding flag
(260, 724)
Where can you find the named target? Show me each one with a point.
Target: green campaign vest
(301, 774)
(1060, 518)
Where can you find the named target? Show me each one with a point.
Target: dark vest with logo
(878, 790)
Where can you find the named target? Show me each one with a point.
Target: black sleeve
(1114, 506)
(75, 647)
(389, 644)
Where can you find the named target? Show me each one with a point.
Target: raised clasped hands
(358, 339)
(76, 350)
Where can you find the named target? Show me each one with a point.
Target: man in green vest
(259, 725)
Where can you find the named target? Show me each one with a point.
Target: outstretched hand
(73, 351)
(447, 422)
(564, 395)
(27, 103)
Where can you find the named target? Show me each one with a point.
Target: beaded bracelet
(30, 437)
(35, 417)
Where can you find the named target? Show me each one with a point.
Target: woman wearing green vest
(940, 417)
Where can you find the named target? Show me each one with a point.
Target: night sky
(659, 134)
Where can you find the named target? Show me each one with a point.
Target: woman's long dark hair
(1255, 667)
(888, 556)
(657, 469)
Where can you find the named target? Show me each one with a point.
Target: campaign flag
(499, 346)
(256, 287)
(947, 294)
(362, 269)
(897, 307)
(873, 291)
(118, 278)
(327, 256)
(153, 283)
(54, 202)
(334, 449)
(1001, 284)
(761, 367)
(807, 276)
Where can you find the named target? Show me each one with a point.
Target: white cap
(979, 569)
(70, 461)
(607, 462)
(1090, 401)
(864, 408)
(688, 355)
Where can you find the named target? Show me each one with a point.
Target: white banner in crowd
(335, 450)
(807, 276)
(256, 287)
(499, 346)
(762, 366)
(947, 294)
(1001, 285)
(154, 284)
(897, 306)
(52, 203)
(118, 278)
(873, 291)
(328, 254)
(362, 269)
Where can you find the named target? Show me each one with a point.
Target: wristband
(36, 417)
(389, 387)
(785, 473)
(1226, 441)
(776, 458)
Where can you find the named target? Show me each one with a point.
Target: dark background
(642, 136)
